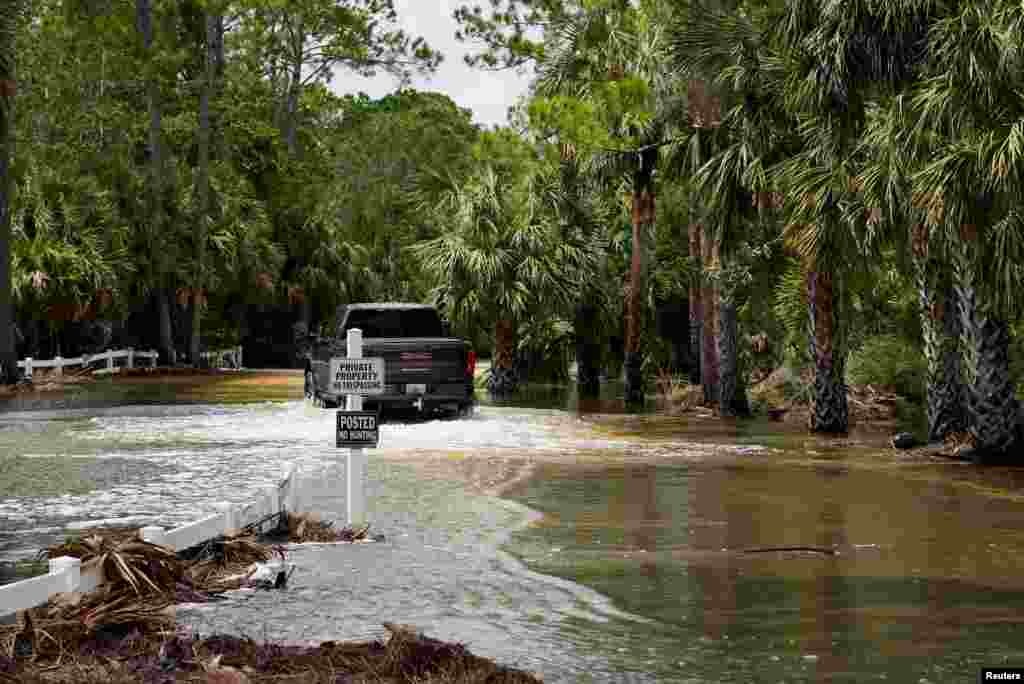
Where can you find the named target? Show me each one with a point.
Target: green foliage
(545, 348)
(889, 361)
(791, 310)
(499, 253)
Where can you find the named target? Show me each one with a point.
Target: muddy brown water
(622, 548)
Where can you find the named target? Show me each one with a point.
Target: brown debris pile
(309, 527)
(223, 563)
(870, 404)
(141, 581)
(138, 654)
(124, 633)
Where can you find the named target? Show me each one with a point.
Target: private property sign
(357, 429)
(357, 376)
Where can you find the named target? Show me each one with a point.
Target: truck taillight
(470, 363)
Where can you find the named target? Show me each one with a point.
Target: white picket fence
(60, 363)
(223, 358)
(66, 574)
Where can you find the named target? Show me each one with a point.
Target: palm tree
(887, 198)
(727, 156)
(959, 129)
(577, 223)
(837, 59)
(965, 123)
(9, 20)
(499, 256)
(602, 52)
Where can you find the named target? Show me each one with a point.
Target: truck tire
(309, 387)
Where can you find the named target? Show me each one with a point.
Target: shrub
(889, 361)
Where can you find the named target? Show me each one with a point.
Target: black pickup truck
(424, 368)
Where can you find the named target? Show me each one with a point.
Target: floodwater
(649, 548)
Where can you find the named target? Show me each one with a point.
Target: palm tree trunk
(633, 361)
(696, 315)
(643, 218)
(991, 400)
(8, 353)
(940, 327)
(731, 388)
(503, 376)
(829, 408)
(708, 299)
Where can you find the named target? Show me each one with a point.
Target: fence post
(152, 358)
(60, 366)
(355, 470)
(289, 499)
(131, 357)
(28, 367)
(230, 516)
(273, 499)
(154, 535)
(239, 357)
(110, 360)
(72, 566)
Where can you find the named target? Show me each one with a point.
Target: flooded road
(622, 548)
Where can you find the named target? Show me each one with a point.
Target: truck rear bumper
(406, 402)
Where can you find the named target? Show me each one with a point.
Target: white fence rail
(60, 363)
(223, 358)
(66, 574)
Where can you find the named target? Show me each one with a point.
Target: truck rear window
(395, 323)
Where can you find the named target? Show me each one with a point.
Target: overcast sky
(488, 94)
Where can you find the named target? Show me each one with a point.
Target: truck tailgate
(419, 360)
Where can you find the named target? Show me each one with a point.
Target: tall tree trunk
(164, 297)
(991, 400)
(503, 372)
(709, 333)
(203, 186)
(940, 327)
(144, 20)
(294, 91)
(643, 217)
(8, 353)
(829, 408)
(696, 315)
(588, 350)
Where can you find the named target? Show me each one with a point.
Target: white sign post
(355, 471)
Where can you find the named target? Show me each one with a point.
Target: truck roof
(387, 305)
